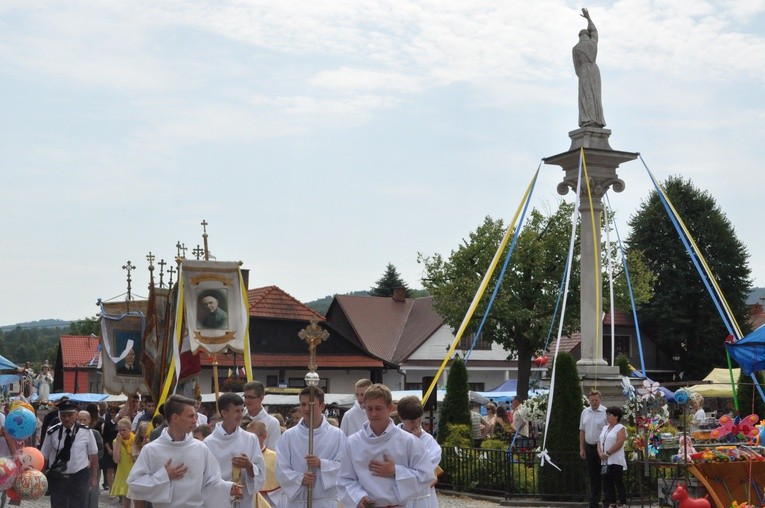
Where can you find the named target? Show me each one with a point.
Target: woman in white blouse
(611, 452)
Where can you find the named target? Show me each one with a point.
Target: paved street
(443, 500)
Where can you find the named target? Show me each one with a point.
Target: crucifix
(171, 271)
(198, 252)
(313, 335)
(129, 267)
(161, 272)
(150, 258)
(204, 237)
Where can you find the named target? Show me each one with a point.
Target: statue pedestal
(590, 137)
(605, 378)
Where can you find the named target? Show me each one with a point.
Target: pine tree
(681, 316)
(456, 405)
(563, 434)
(388, 282)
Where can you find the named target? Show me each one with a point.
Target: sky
(322, 140)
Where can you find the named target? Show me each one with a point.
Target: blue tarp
(79, 397)
(749, 352)
(6, 364)
(7, 379)
(511, 385)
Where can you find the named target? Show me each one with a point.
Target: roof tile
(78, 350)
(275, 303)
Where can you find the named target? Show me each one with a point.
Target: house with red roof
(659, 365)
(411, 338)
(77, 368)
(280, 357)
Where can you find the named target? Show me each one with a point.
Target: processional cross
(313, 335)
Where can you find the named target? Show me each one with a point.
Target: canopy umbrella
(749, 352)
(7, 366)
(717, 384)
(477, 398)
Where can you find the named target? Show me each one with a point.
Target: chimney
(399, 295)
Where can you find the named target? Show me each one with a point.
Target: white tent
(717, 384)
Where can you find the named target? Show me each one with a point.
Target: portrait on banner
(129, 365)
(215, 305)
(122, 334)
(211, 309)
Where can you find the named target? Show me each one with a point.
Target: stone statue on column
(584, 53)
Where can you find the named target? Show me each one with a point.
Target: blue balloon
(681, 396)
(21, 423)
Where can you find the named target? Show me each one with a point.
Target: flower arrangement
(534, 409)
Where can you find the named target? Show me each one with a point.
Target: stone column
(601, 162)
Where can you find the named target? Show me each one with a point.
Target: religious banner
(122, 331)
(157, 350)
(215, 305)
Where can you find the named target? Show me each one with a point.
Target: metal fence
(518, 474)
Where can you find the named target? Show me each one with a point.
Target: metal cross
(161, 271)
(198, 252)
(204, 226)
(313, 335)
(181, 248)
(150, 258)
(171, 271)
(129, 267)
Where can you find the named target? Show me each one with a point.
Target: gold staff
(313, 335)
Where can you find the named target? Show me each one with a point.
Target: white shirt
(353, 419)
(224, 446)
(83, 446)
(592, 422)
(272, 426)
(608, 440)
(414, 471)
(149, 481)
(201, 419)
(328, 445)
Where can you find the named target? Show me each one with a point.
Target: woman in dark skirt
(108, 430)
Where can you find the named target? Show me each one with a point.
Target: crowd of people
(242, 456)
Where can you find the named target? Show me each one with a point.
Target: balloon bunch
(22, 475)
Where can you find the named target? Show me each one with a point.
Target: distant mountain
(322, 304)
(41, 323)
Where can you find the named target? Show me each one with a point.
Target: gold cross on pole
(313, 335)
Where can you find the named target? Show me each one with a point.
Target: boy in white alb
(383, 465)
(236, 450)
(175, 469)
(254, 393)
(355, 417)
(410, 412)
(296, 469)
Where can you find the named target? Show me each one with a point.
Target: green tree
(85, 326)
(388, 282)
(520, 317)
(749, 400)
(681, 316)
(563, 433)
(456, 405)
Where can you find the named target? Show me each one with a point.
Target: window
(621, 345)
(272, 381)
(466, 342)
(476, 387)
(412, 386)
